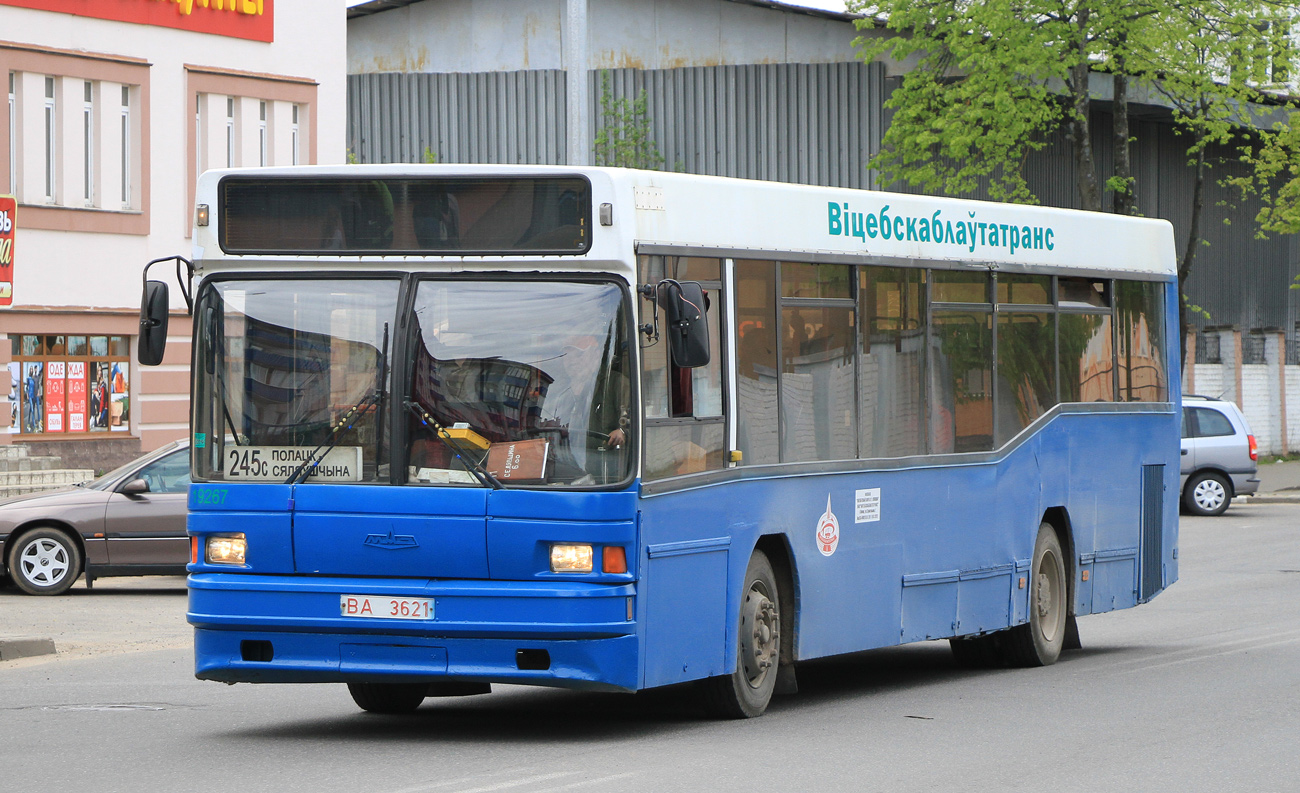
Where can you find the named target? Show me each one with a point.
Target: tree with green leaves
(989, 83)
(623, 138)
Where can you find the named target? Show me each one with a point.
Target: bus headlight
(227, 549)
(571, 558)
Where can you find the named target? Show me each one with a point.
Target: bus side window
(684, 428)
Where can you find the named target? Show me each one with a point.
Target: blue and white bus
(611, 429)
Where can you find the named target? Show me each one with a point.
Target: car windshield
(291, 373)
(108, 479)
(528, 381)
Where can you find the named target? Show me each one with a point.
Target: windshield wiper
(345, 422)
(479, 470)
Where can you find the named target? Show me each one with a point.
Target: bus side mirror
(154, 310)
(688, 328)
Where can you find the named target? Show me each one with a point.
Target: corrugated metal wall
(807, 123)
(811, 124)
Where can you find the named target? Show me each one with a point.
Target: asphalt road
(1197, 691)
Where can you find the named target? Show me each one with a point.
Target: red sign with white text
(245, 19)
(77, 412)
(8, 227)
(55, 372)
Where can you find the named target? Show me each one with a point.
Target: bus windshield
(530, 376)
(503, 382)
(292, 372)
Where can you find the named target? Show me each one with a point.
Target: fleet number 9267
(385, 608)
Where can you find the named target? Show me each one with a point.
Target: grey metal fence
(806, 123)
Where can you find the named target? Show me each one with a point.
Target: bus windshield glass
(529, 379)
(294, 375)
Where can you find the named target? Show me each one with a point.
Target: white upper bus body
(658, 212)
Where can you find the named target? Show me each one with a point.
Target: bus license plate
(386, 608)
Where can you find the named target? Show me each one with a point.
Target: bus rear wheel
(746, 692)
(1039, 641)
(388, 697)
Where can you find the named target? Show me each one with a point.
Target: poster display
(77, 396)
(34, 397)
(56, 373)
(120, 410)
(15, 378)
(99, 399)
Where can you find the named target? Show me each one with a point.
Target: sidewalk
(1279, 483)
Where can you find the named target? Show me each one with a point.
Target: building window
(65, 147)
(294, 134)
(230, 132)
(13, 136)
(51, 147)
(126, 146)
(88, 143)
(261, 133)
(70, 383)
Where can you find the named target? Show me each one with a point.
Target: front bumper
(288, 629)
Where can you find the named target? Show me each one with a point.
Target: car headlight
(227, 549)
(571, 558)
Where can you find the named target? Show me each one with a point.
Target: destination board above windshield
(413, 216)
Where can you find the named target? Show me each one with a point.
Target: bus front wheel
(1039, 641)
(388, 697)
(746, 692)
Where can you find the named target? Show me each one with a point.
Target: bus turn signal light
(194, 550)
(614, 559)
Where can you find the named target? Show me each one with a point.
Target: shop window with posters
(69, 384)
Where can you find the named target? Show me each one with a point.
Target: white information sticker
(277, 463)
(866, 505)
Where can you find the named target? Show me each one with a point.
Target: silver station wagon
(1219, 455)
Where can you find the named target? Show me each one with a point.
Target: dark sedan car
(128, 522)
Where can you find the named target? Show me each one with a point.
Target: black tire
(977, 652)
(388, 697)
(1208, 494)
(746, 692)
(1039, 642)
(45, 562)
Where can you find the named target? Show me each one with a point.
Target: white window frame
(230, 132)
(261, 133)
(126, 146)
(88, 142)
(51, 140)
(13, 134)
(295, 136)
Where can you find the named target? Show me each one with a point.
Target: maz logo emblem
(391, 541)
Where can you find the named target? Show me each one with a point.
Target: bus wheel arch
(1040, 640)
(777, 549)
(760, 643)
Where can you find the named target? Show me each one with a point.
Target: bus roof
(684, 213)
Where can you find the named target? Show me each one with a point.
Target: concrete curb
(13, 649)
(1269, 498)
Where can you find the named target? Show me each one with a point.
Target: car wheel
(45, 562)
(1208, 494)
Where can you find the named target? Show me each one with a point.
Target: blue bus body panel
(482, 558)
(390, 531)
(947, 553)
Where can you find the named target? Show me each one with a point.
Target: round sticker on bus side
(828, 531)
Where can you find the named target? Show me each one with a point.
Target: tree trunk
(1124, 201)
(1081, 132)
(1193, 242)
